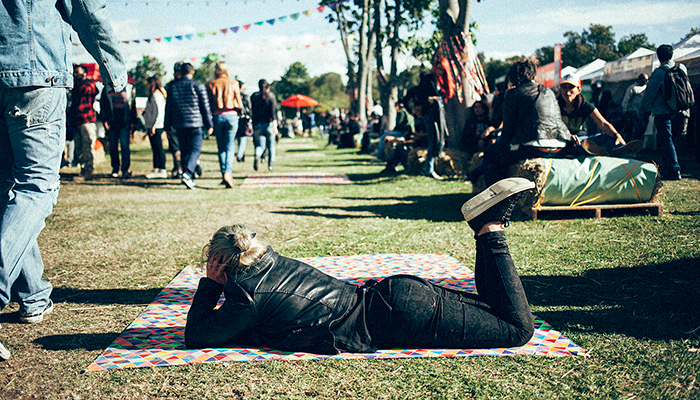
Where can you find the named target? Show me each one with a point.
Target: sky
(265, 50)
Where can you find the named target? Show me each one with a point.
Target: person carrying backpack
(667, 96)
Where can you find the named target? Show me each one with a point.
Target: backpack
(678, 93)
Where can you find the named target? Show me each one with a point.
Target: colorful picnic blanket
(156, 337)
(295, 179)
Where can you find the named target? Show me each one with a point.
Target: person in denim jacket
(35, 70)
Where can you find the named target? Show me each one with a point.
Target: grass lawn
(625, 289)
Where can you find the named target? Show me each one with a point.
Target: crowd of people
(527, 120)
(293, 307)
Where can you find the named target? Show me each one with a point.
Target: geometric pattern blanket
(156, 337)
(295, 179)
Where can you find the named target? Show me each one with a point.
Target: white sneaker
(157, 174)
(4, 353)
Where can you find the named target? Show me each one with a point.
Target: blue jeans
(225, 129)
(242, 141)
(382, 144)
(664, 143)
(264, 137)
(119, 137)
(32, 136)
(190, 147)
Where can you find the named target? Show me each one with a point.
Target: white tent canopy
(682, 49)
(591, 71)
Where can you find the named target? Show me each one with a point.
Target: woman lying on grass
(276, 302)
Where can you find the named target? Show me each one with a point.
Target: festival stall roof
(629, 67)
(568, 70)
(683, 49)
(591, 71)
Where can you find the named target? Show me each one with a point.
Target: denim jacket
(36, 48)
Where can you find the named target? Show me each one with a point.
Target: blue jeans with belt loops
(32, 136)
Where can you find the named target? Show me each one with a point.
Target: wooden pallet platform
(596, 211)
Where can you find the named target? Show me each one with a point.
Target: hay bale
(450, 162)
(532, 169)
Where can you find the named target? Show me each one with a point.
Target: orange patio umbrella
(298, 101)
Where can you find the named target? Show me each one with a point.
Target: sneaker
(630, 148)
(37, 316)
(198, 171)
(126, 175)
(85, 176)
(4, 353)
(157, 174)
(388, 171)
(433, 175)
(496, 203)
(255, 163)
(115, 174)
(671, 176)
(188, 182)
(592, 148)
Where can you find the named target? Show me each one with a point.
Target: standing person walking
(225, 101)
(264, 107)
(245, 125)
(118, 116)
(82, 117)
(34, 75)
(653, 101)
(154, 117)
(187, 110)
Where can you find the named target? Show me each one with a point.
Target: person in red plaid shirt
(82, 115)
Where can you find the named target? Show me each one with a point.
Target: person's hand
(487, 132)
(106, 125)
(152, 131)
(217, 272)
(619, 140)
(576, 140)
(210, 131)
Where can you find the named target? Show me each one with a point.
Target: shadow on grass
(85, 341)
(658, 301)
(434, 208)
(105, 296)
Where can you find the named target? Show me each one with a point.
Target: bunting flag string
(235, 29)
(288, 48)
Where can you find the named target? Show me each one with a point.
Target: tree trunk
(345, 39)
(363, 67)
(454, 19)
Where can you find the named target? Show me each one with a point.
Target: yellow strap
(538, 206)
(629, 174)
(590, 179)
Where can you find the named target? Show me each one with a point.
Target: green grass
(626, 289)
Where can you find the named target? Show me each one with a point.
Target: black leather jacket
(531, 112)
(279, 303)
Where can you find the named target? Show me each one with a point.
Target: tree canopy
(144, 69)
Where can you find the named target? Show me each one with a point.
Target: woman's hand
(152, 131)
(217, 272)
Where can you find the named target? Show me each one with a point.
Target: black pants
(157, 147)
(407, 312)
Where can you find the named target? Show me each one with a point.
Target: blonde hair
(237, 246)
(221, 69)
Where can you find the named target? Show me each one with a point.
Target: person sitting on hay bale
(532, 128)
(575, 110)
(277, 302)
